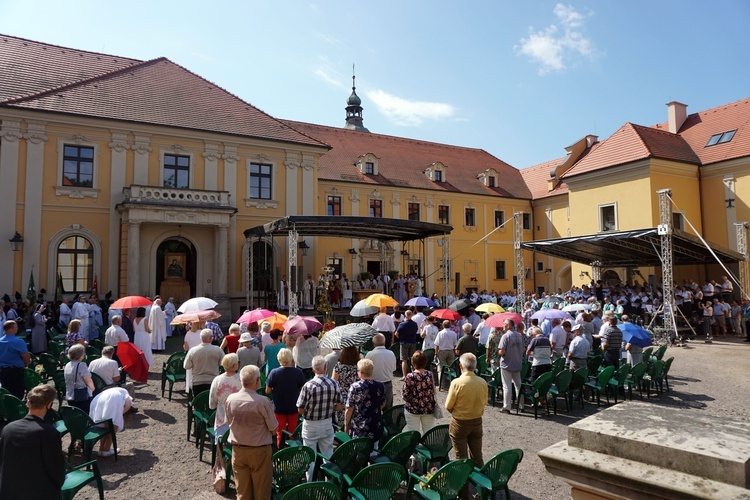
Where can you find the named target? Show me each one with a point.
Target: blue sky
(521, 80)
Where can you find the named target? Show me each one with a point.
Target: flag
(59, 288)
(31, 290)
(95, 290)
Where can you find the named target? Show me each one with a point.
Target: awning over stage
(377, 228)
(641, 247)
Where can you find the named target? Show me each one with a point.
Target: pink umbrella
(497, 319)
(208, 315)
(302, 325)
(255, 316)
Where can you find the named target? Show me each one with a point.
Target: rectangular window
(721, 138)
(176, 171)
(437, 176)
(678, 222)
(78, 166)
(334, 205)
(499, 218)
(527, 221)
(376, 208)
(500, 270)
(607, 218)
(470, 217)
(369, 168)
(540, 267)
(490, 182)
(413, 211)
(444, 214)
(260, 181)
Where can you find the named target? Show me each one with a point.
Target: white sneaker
(108, 453)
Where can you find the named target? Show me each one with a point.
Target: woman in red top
(231, 342)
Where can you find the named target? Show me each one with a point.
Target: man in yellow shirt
(465, 402)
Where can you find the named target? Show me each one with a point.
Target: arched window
(75, 263)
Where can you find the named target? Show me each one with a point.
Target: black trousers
(12, 379)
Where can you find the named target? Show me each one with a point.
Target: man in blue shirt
(407, 332)
(14, 357)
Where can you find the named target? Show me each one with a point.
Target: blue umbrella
(635, 334)
(420, 302)
(543, 314)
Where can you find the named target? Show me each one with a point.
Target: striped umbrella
(353, 334)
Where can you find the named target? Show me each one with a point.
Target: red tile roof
(537, 178)
(699, 127)
(157, 92)
(402, 162)
(631, 143)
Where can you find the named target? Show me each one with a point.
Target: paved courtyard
(157, 461)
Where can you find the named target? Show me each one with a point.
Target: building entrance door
(175, 269)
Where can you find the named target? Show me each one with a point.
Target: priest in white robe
(170, 311)
(157, 320)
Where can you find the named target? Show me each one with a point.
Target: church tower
(354, 109)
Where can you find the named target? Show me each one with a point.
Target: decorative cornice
(261, 204)
(77, 193)
(291, 164)
(308, 162)
(263, 158)
(211, 155)
(354, 198)
(11, 134)
(119, 143)
(35, 134)
(428, 203)
(177, 148)
(230, 157)
(395, 200)
(376, 194)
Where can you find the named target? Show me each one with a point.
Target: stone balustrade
(162, 195)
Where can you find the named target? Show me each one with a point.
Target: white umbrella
(361, 309)
(197, 304)
(577, 307)
(353, 334)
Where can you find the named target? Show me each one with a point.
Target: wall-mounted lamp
(353, 253)
(584, 273)
(474, 279)
(304, 247)
(16, 242)
(405, 253)
(548, 270)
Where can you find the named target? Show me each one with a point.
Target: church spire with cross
(354, 109)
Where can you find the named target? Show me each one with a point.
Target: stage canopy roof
(641, 247)
(377, 228)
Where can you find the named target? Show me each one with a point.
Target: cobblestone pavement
(157, 461)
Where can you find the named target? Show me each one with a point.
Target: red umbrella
(445, 314)
(254, 316)
(131, 302)
(133, 361)
(497, 319)
(303, 325)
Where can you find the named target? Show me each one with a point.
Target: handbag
(82, 394)
(219, 474)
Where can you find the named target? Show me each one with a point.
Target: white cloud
(327, 77)
(409, 113)
(553, 47)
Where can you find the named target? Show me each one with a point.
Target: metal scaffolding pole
(292, 293)
(520, 268)
(596, 268)
(250, 291)
(446, 269)
(741, 228)
(667, 275)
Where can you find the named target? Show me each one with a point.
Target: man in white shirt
(559, 337)
(418, 318)
(108, 369)
(115, 334)
(482, 331)
(384, 324)
(445, 345)
(384, 362)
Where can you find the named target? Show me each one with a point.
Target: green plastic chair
(481, 350)
(593, 365)
(496, 473)
(495, 385)
(346, 460)
(55, 420)
(377, 482)
(97, 343)
(293, 438)
(398, 449)
(76, 478)
(50, 364)
(317, 490)
(646, 356)
(12, 408)
(82, 428)
(600, 383)
(92, 351)
(483, 370)
(635, 378)
(665, 371)
(208, 435)
(659, 354)
(537, 392)
(560, 388)
(290, 466)
(430, 354)
(198, 413)
(173, 371)
(558, 365)
(394, 422)
(618, 380)
(226, 451)
(446, 483)
(99, 384)
(434, 446)
(654, 377)
(449, 373)
(31, 379)
(580, 377)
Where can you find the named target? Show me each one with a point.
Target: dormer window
(368, 164)
(488, 178)
(721, 138)
(436, 172)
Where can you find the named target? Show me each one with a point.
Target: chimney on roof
(676, 115)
